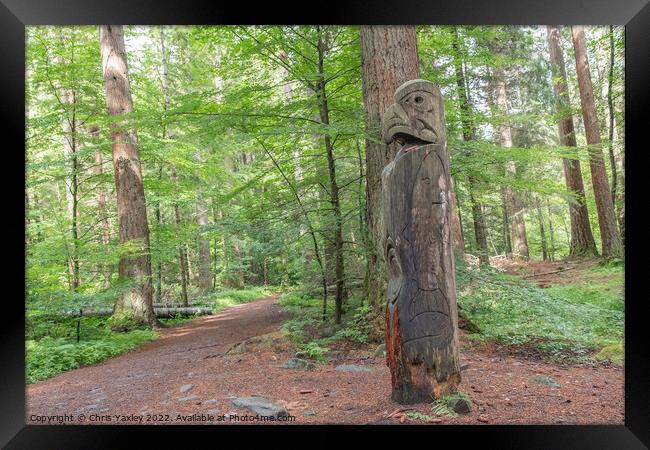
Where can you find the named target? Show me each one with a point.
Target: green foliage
(52, 355)
(311, 335)
(442, 408)
(230, 297)
(613, 353)
(239, 127)
(313, 350)
(578, 317)
(418, 416)
(177, 320)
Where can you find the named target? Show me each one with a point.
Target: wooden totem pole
(421, 315)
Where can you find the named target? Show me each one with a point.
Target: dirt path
(148, 382)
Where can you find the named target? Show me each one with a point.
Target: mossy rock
(613, 353)
(545, 379)
(460, 403)
(237, 349)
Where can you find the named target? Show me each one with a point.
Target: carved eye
(427, 180)
(419, 99)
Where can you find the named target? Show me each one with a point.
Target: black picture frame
(634, 14)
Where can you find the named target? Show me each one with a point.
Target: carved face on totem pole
(417, 234)
(414, 118)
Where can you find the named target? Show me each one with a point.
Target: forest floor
(201, 366)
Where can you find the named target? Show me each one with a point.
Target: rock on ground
(351, 368)
(261, 406)
(545, 379)
(298, 364)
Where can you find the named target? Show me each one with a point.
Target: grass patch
(612, 353)
(177, 320)
(230, 297)
(579, 318)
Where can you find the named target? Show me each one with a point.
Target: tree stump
(421, 316)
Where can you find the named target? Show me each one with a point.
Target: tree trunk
(513, 203)
(205, 273)
(182, 254)
(551, 231)
(159, 221)
(542, 231)
(421, 314)
(135, 304)
(610, 238)
(582, 239)
(69, 102)
(506, 224)
(456, 225)
(389, 58)
(98, 170)
(334, 189)
(469, 134)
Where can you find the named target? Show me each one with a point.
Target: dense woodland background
(259, 157)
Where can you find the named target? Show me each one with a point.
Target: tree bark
(610, 237)
(421, 314)
(205, 273)
(542, 231)
(456, 225)
(135, 303)
(506, 224)
(159, 222)
(480, 230)
(551, 231)
(389, 58)
(582, 239)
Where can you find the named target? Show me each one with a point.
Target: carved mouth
(407, 140)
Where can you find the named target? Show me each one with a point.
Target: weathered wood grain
(421, 315)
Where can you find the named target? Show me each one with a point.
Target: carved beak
(395, 121)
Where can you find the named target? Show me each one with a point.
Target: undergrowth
(578, 319)
(51, 339)
(226, 298)
(50, 356)
(312, 336)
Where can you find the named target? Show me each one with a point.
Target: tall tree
(323, 107)
(582, 239)
(609, 235)
(389, 56)
(542, 230)
(514, 207)
(98, 170)
(456, 221)
(205, 271)
(469, 134)
(135, 303)
(167, 134)
(67, 98)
